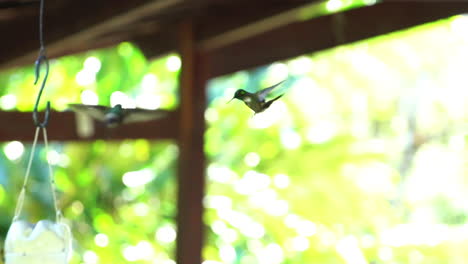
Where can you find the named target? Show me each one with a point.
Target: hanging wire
(51, 178)
(42, 58)
(41, 25)
(19, 206)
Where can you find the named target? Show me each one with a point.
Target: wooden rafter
(62, 127)
(86, 21)
(88, 24)
(289, 40)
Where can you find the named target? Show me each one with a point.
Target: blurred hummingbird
(117, 115)
(257, 101)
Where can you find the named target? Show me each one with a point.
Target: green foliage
(320, 177)
(115, 196)
(103, 73)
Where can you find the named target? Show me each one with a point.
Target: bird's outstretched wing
(262, 94)
(97, 112)
(141, 115)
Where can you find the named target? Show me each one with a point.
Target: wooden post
(191, 181)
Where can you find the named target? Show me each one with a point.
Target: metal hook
(41, 59)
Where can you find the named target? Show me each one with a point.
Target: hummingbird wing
(97, 112)
(132, 115)
(262, 94)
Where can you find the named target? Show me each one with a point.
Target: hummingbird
(257, 101)
(117, 115)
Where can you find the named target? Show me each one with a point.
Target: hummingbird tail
(276, 98)
(267, 104)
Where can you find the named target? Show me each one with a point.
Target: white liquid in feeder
(46, 242)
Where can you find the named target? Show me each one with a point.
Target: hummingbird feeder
(45, 241)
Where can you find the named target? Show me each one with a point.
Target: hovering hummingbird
(257, 101)
(117, 115)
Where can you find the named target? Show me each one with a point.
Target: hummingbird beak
(230, 100)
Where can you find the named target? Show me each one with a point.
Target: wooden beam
(221, 29)
(4, 4)
(62, 127)
(191, 175)
(160, 43)
(301, 37)
(230, 38)
(85, 22)
(215, 19)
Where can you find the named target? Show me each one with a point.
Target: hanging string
(19, 206)
(22, 194)
(51, 178)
